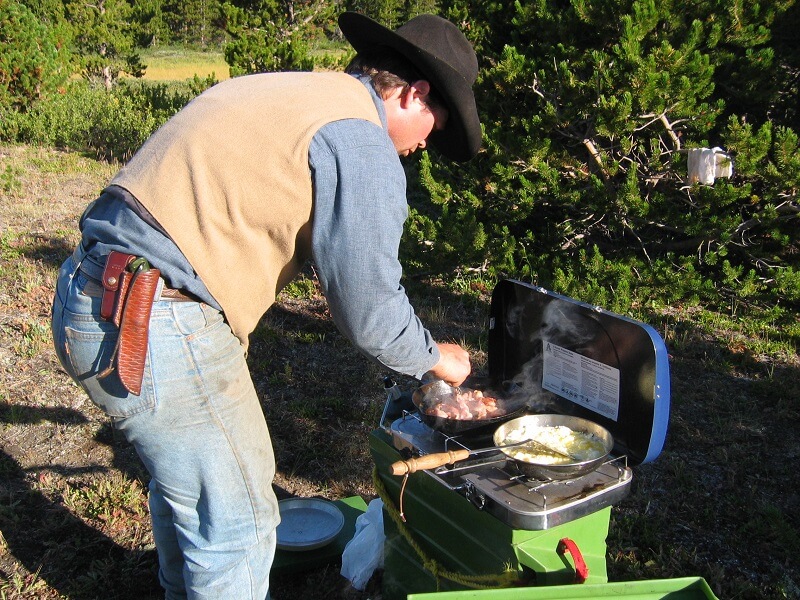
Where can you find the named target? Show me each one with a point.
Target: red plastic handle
(581, 570)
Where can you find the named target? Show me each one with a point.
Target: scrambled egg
(583, 446)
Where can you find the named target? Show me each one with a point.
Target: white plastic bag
(707, 164)
(364, 553)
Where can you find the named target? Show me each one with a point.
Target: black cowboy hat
(445, 57)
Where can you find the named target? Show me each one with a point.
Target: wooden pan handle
(429, 461)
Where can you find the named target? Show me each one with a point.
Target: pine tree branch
(786, 210)
(596, 156)
(535, 88)
(675, 139)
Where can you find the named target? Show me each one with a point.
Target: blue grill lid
(571, 358)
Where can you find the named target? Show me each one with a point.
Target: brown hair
(388, 70)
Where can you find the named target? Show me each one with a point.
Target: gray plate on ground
(308, 523)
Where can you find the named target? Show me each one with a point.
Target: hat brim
(460, 139)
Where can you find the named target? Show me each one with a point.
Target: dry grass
(179, 64)
(722, 502)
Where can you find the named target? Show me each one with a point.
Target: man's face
(412, 117)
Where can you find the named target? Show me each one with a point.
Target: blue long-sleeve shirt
(359, 211)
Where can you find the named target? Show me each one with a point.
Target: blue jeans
(198, 428)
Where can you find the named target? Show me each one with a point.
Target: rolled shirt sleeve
(359, 211)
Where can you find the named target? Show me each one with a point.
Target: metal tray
(308, 523)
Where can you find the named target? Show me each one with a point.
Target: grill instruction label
(582, 380)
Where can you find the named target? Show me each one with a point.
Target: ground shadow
(51, 251)
(73, 558)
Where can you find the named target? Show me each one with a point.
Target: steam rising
(560, 323)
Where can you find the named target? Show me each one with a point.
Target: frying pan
(566, 470)
(540, 471)
(430, 394)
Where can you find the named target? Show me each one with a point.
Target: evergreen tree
(588, 108)
(390, 13)
(393, 13)
(787, 59)
(105, 38)
(150, 21)
(419, 7)
(195, 22)
(34, 60)
(268, 35)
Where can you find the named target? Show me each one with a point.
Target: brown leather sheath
(134, 326)
(127, 302)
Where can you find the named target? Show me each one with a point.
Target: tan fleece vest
(228, 179)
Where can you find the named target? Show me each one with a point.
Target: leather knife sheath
(133, 313)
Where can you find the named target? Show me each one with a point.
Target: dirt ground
(722, 501)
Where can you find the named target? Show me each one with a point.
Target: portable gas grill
(478, 521)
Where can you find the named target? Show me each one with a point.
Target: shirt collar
(375, 98)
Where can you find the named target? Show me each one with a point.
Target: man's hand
(453, 366)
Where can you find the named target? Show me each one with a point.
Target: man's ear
(416, 90)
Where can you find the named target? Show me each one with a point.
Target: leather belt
(177, 295)
(94, 289)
